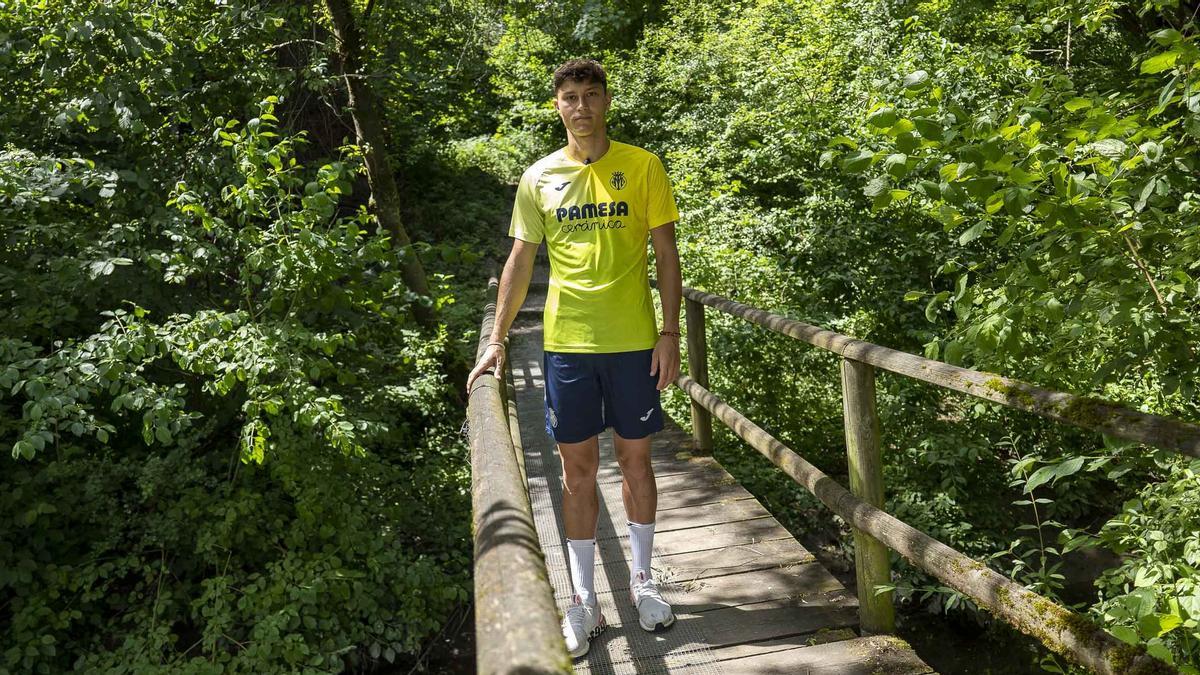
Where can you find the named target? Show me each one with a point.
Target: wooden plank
(720, 535)
(695, 479)
(664, 465)
(681, 499)
(611, 524)
(681, 660)
(675, 655)
(684, 519)
(693, 540)
(739, 625)
(803, 585)
(697, 476)
(876, 655)
(740, 628)
(783, 562)
(709, 514)
(760, 647)
(685, 469)
(685, 568)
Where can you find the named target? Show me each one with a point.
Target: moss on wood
(1016, 392)
(1085, 411)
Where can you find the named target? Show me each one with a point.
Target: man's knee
(635, 466)
(577, 480)
(579, 470)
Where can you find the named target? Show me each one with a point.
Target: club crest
(618, 180)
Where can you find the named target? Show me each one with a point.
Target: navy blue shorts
(587, 393)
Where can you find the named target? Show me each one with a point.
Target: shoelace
(575, 617)
(647, 588)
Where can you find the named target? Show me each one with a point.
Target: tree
(369, 129)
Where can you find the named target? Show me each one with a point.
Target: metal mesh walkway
(684, 648)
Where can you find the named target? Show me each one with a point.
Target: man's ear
(556, 101)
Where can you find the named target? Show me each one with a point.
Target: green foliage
(309, 562)
(228, 441)
(1153, 596)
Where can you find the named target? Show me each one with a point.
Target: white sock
(582, 555)
(641, 544)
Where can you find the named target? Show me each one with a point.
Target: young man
(596, 202)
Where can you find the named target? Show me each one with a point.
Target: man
(596, 202)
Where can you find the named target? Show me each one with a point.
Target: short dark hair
(580, 70)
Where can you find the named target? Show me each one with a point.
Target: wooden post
(697, 346)
(871, 564)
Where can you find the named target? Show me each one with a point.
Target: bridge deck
(747, 596)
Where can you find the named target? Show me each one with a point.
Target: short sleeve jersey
(596, 219)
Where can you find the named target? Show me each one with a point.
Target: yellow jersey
(596, 219)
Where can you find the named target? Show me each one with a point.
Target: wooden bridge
(747, 596)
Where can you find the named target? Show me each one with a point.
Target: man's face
(582, 106)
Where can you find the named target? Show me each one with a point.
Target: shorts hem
(647, 432)
(580, 440)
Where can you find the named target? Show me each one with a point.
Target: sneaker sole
(658, 627)
(600, 626)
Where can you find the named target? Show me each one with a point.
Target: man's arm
(665, 362)
(514, 285)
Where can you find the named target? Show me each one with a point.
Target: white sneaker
(581, 623)
(654, 614)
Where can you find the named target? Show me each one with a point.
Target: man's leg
(640, 494)
(573, 419)
(581, 508)
(583, 619)
(638, 489)
(632, 408)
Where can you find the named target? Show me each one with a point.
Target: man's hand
(493, 357)
(665, 360)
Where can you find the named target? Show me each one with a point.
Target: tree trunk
(369, 129)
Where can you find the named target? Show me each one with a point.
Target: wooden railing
(516, 623)
(875, 531)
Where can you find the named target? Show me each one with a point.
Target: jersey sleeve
(661, 207)
(527, 224)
